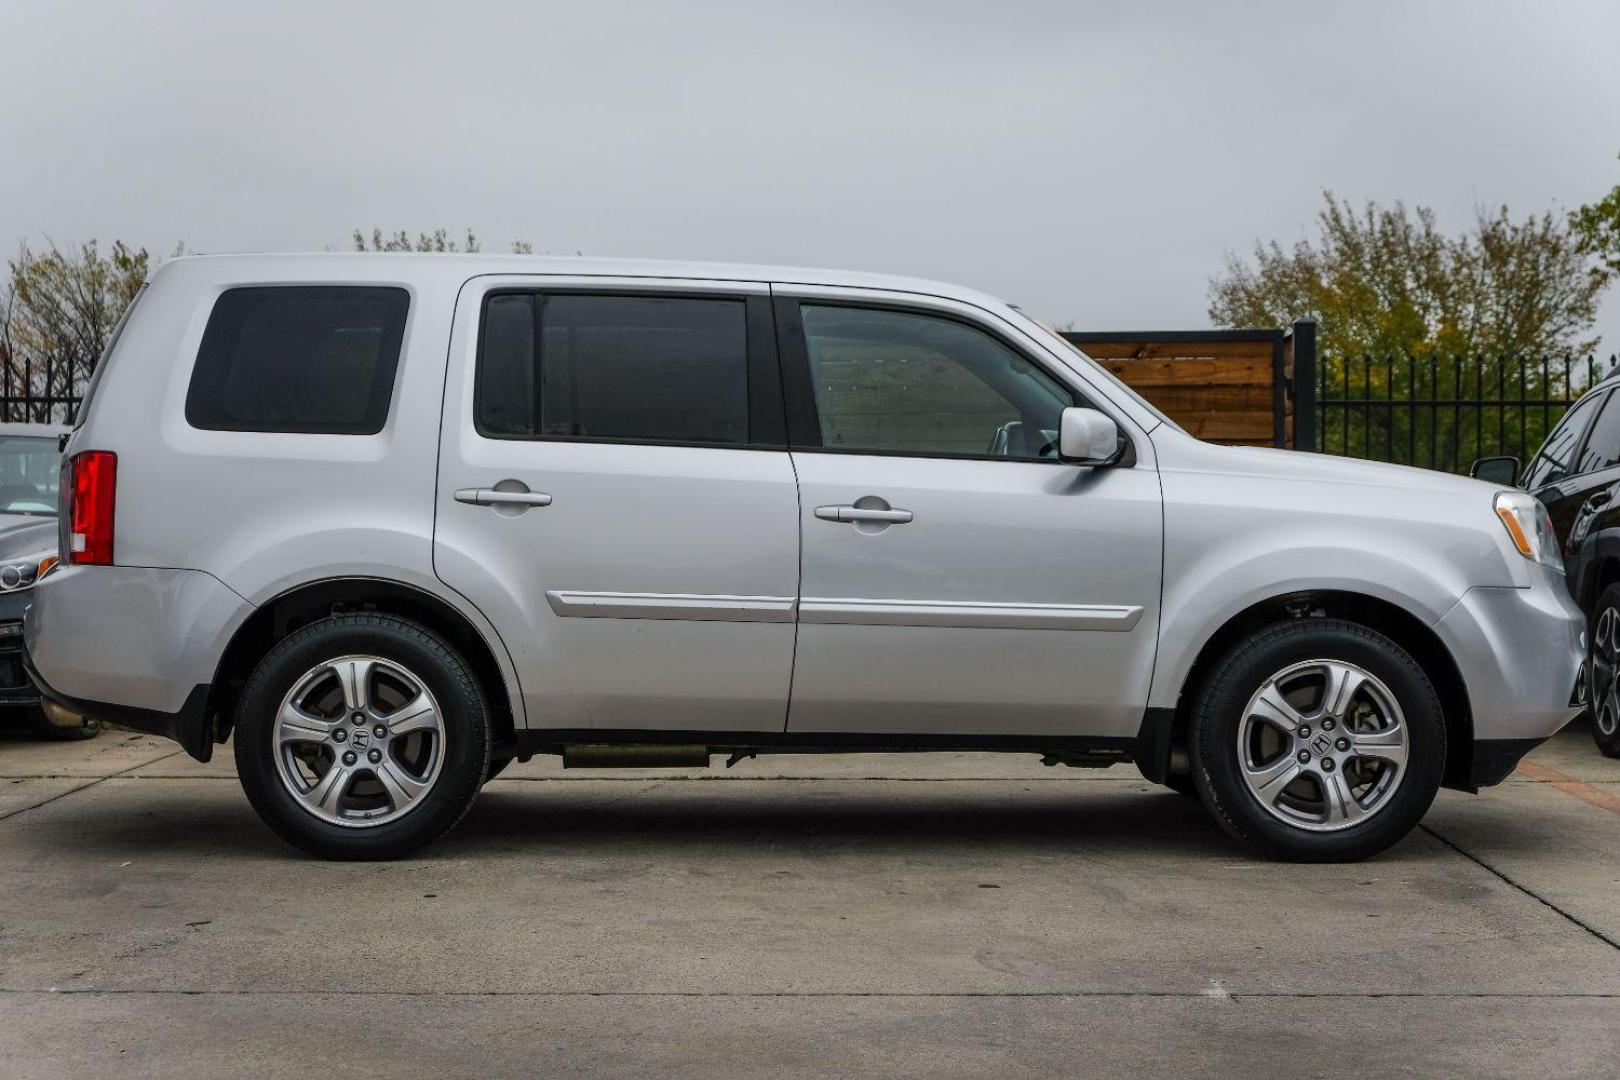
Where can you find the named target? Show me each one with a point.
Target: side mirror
(1088, 437)
(1496, 470)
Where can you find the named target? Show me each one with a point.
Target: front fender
(1237, 540)
(1219, 591)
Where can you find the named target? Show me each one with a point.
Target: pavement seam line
(1175, 995)
(1542, 900)
(91, 784)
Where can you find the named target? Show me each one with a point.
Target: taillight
(93, 475)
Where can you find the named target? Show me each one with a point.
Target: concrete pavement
(945, 915)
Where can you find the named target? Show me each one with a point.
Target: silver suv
(394, 521)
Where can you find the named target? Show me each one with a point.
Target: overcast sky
(1089, 161)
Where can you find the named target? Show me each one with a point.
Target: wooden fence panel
(1222, 385)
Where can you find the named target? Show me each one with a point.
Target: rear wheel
(362, 737)
(1603, 666)
(1318, 741)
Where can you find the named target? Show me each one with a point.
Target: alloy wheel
(1323, 745)
(359, 741)
(1605, 663)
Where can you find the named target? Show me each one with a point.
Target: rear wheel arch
(272, 621)
(1394, 622)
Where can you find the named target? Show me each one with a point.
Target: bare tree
(437, 240)
(60, 307)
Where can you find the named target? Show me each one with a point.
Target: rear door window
(614, 368)
(307, 359)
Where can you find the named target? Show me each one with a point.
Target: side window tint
(632, 368)
(316, 360)
(506, 370)
(1551, 462)
(899, 382)
(1602, 449)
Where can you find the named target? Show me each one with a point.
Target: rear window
(614, 368)
(308, 359)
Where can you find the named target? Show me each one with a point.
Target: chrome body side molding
(691, 607)
(863, 612)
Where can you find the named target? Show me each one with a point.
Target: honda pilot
(390, 522)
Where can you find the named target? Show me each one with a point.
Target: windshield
(29, 469)
(1109, 375)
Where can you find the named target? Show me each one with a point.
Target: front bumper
(1521, 654)
(16, 691)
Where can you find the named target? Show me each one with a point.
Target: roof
(582, 266)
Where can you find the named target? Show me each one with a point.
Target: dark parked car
(30, 465)
(1576, 475)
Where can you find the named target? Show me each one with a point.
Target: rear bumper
(136, 646)
(188, 726)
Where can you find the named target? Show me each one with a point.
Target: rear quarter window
(304, 359)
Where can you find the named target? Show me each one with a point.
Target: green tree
(1385, 281)
(58, 308)
(1597, 228)
(1407, 311)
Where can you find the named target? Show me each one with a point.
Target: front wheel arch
(1395, 623)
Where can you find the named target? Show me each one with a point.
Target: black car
(1576, 475)
(30, 465)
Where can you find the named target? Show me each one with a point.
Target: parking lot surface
(964, 915)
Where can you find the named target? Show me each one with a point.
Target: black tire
(1603, 668)
(496, 767)
(1242, 672)
(440, 669)
(44, 729)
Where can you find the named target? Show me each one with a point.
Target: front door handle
(492, 497)
(861, 513)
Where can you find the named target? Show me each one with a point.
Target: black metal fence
(1443, 413)
(44, 393)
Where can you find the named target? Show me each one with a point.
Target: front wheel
(1603, 666)
(1318, 741)
(362, 737)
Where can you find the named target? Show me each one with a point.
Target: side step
(635, 756)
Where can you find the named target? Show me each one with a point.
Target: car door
(957, 578)
(615, 495)
(1583, 505)
(1554, 475)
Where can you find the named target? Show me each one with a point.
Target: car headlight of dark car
(18, 574)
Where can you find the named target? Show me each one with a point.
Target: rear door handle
(860, 513)
(491, 497)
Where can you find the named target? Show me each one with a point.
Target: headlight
(1530, 528)
(21, 573)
